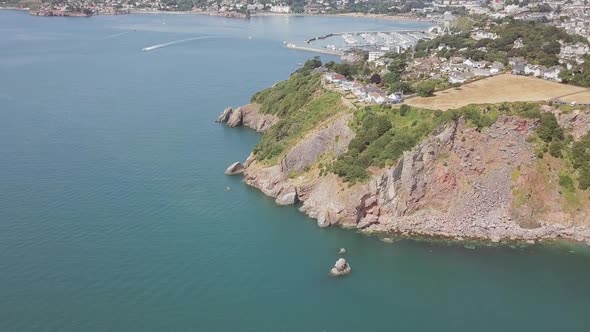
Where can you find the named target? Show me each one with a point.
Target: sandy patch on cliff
(501, 88)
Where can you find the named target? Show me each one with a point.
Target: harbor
(340, 42)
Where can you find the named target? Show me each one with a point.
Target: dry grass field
(579, 98)
(496, 89)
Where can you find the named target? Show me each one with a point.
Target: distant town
(468, 40)
(572, 15)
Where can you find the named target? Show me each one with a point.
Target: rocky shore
(458, 183)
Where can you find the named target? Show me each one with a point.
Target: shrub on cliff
(288, 96)
(382, 137)
(549, 129)
(295, 124)
(581, 161)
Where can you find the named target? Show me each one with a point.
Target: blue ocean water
(114, 214)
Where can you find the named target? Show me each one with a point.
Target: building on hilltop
(374, 55)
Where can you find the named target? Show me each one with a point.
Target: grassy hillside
(301, 104)
(383, 132)
(288, 96)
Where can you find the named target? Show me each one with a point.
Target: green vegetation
(360, 70)
(474, 116)
(383, 134)
(426, 88)
(294, 124)
(579, 74)
(580, 158)
(540, 43)
(288, 96)
(549, 130)
(566, 182)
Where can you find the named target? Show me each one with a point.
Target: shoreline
(327, 200)
(263, 14)
(269, 14)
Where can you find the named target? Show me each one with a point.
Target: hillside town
(572, 15)
(469, 41)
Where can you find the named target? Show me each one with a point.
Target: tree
(426, 88)
(375, 78)
(311, 64)
(549, 129)
(404, 109)
(555, 149)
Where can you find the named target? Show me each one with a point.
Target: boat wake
(157, 46)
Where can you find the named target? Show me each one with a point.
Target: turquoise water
(114, 214)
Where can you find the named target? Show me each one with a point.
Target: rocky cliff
(459, 182)
(249, 116)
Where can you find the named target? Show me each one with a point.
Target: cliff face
(249, 116)
(458, 182)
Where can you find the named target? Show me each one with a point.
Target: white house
(255, 7)
(457, 77)
(572, 50)
(533, 70)
(376, 97)
(481, 34)
(396, 97)
(334, 77)
(468, 62)
(518, 43)
(280, 9)
(496, 68)
(552, 73)
(374, 55)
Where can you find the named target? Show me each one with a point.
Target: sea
(115, 214)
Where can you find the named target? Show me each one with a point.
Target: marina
(341, 42)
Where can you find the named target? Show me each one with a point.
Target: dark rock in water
(340, 268)
(235, 168)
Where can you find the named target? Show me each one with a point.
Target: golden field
(497, 89)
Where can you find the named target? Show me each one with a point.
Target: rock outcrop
(575, 122)
(334, 137)
(234, 169)
(249, 116)
(341, 268)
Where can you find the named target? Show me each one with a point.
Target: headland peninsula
(443, 141)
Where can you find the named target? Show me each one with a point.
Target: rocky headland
(460, 181)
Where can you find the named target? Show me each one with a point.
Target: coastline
(269, 14)
(419, 196)
(264, 14)
(14, 8)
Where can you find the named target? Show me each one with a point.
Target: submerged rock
(235, 168)
(340, 268)
(342, 251)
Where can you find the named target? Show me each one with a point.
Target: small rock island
(341, 268)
